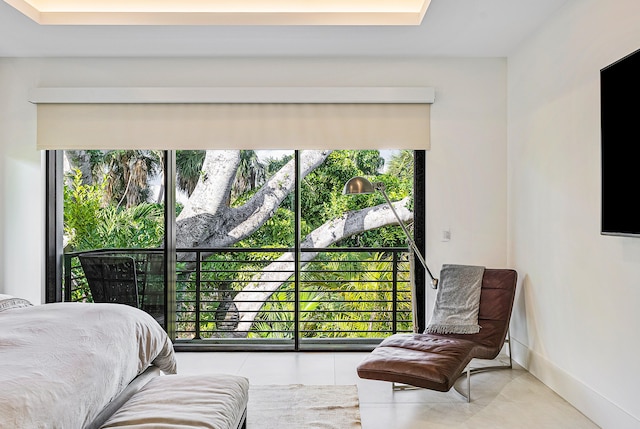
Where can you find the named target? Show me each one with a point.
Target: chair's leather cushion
(496, 303)
(435, 361)
(423, 360)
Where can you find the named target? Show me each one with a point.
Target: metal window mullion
(298, 253)
(169, 250)
(419, 232)
(54, 215)
(67, 278)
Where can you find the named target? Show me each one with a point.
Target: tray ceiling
(223, 12)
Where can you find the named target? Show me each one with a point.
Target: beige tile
(204, 362)
(289, 368)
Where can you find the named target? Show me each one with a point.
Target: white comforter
(60, 364)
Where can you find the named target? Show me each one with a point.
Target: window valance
(370, 118)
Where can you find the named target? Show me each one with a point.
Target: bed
(70, 365)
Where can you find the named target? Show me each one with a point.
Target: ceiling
(450, 28)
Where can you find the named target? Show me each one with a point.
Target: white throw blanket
(458, 300)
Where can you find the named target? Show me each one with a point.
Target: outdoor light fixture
(360, 185)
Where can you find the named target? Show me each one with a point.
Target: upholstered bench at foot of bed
(422, 360)
(216, 401)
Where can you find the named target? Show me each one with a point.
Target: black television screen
(620, 146)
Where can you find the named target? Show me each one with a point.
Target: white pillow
(8, 302)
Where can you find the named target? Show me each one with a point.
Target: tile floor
(500, 399)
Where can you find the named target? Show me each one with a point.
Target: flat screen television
(620, 146)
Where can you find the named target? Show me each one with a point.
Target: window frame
(54, 232)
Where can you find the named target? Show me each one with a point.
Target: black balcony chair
(111, 278)
(151, 281)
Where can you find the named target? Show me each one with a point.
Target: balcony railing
(263, 295)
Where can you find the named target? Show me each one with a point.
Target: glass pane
(356, 283)
(235, 235)
(114, 228)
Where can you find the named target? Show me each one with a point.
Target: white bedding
(60, 364)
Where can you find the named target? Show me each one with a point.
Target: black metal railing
(269, 295)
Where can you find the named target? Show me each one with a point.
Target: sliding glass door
(113, 228)
(268, 251)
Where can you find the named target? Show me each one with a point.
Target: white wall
(21, 196)
(577, 317)
(466, 167)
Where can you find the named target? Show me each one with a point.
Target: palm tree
(189, 168)
(251, 174)
(401, 165)
(127, 175)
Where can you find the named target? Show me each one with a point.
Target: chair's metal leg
(509, 347)
(471, 371)
(468, 384)
(402, 386)
(466, 395)
(491, 368)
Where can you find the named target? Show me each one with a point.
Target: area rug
(303, 407)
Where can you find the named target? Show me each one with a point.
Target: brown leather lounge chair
(436, 361)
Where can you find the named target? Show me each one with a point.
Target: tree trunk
(253, 296)
(208, 221)
(81, 160)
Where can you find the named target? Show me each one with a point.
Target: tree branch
(252, 297)
(207, 207)
(207, 222)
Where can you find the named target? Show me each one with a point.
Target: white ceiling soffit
(223, 12)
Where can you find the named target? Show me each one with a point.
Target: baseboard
(597, 408)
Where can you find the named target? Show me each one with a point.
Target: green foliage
(127, 173)
(340, 302)
(273, 165)
(369, 161)
(251, 174)
(189, 166)
(321, 194)
(343, 295)
(277, 232)
(322, 199)
(81, 204)
(140, 226)
(90, 225)
(401, 165)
